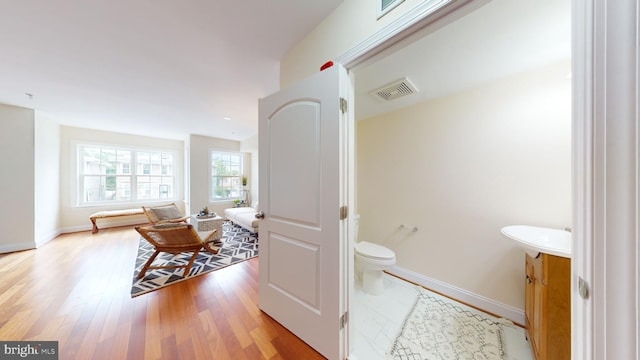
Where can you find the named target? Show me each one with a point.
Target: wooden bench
(112, 213)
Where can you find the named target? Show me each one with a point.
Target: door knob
(260, 215)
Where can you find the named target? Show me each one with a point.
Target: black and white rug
(436, 329)
(238, 244)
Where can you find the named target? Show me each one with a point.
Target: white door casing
(302, 187)
(606, 247)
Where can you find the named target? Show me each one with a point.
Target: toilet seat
(374, 251)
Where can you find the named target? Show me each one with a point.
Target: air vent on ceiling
(395, 90)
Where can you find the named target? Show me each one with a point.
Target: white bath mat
(437, 329)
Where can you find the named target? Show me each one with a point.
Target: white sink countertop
(536, 239)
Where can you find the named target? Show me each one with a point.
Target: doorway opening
(484, 143)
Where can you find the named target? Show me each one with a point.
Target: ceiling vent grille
(396, 89)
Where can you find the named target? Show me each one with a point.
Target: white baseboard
(8, 248)
(105, 224)
(72, 229)
(494, 307)
(48, 237)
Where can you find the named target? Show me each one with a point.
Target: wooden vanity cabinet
(548, 306)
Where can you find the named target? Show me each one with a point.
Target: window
(105, 174)
(384, 6)
(226, 174)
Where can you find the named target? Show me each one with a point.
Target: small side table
(208, 223)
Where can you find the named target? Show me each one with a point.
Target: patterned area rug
(437, 329)
(238, 244)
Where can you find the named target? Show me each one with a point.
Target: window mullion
(134, 175)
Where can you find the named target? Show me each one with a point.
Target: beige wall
(76, 218)
(348, 25)
(17, 127)
(461, 167)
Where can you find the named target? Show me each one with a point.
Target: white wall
(76, 218)
(47, 179)
(199, 166)
(461, 167)
(17, 126)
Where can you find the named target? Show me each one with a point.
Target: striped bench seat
(112, 213)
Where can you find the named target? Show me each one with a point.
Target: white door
(302, 187)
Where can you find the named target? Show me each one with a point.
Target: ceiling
(501, 38)
(157, 68)
(162, 69)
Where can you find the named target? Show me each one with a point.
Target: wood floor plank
(89, 342)
(20, 322)
(120, 347)
(263, 342)
(111, 322)
(76, 290)
(154, 329)
(211, 335)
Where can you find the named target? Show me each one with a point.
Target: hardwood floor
(76, 290)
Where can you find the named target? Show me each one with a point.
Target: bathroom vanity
(547, 305)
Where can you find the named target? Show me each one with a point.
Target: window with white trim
(111, 174)
(226, 175)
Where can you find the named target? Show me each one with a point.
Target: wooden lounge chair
(176, 239)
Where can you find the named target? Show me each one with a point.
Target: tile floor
(376, 320)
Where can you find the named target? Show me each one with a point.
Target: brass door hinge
(344, 211)
(344, 319)
(343, 105)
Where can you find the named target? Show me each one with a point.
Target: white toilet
(370, 260)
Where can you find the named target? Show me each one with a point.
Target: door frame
(596, 209)
(606, 108)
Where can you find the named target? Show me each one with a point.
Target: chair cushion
(164, 212)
